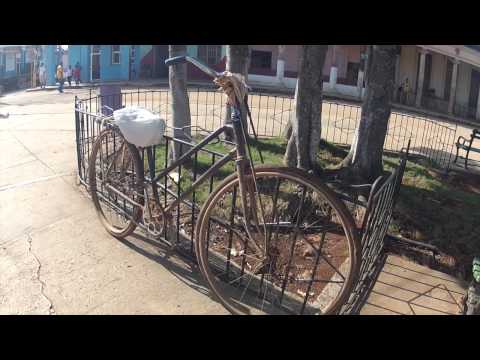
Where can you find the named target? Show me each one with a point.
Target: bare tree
(304, 139)
(238, 57)
(177, 77)
(364, 161)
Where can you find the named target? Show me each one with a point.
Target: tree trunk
(304, 141)
(238, 57)
(177, 76)
(365, 157)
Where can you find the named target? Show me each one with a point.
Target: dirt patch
(468, 183)
(295, 270)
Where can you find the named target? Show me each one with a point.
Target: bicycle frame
(243, 167)
(185, 158)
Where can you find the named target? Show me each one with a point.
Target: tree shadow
(275, 148)
(334, 150)
(439, 158)
(441, 218)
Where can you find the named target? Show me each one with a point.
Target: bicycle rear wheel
(294, 251)
(116, 183)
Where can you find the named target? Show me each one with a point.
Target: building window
(115, 54)
(261, 59)
(95, 49)
(9, 62)
(210, 54)
(352, 73)
(18, 63)
(448, 81)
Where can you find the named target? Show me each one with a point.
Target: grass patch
(443, 211)
(272, 151)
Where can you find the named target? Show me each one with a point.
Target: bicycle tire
(347, 223)
(131, 224)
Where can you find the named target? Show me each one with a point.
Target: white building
(443, 79)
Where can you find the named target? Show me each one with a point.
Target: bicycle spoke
(296, 220)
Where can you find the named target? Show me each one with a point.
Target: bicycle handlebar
(182, 59)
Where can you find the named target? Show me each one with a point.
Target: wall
(269, 48)
(51, 63)
(2, 64)
(291, 55)
(408, 66)
(81, 54)
(438, 74)
(108, 71)
(463, 84)
(136, 64)
(290, 83)
(112, 72)
(344, 55)
(9, 55)
(192, 50)
(10, 58)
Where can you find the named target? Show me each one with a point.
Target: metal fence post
(77, 135)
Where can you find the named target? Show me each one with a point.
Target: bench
(465, 144)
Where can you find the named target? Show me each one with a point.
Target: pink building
(444, 79)
(265, 61)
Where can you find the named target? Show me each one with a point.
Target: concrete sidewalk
(406, 288)
(55, 257)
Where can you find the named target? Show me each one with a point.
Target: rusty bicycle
(268, 240)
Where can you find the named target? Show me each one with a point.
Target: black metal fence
(432, 139)
(374, 228)
(378, 210)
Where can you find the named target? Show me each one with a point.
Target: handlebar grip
(176, 60)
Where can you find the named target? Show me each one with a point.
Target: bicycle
(268, 239)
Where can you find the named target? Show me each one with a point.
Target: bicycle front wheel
(293, 250)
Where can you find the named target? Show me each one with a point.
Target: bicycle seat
(140, 126)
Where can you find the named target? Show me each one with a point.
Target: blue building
(15, 65)
(100, 63)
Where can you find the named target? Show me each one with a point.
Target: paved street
(56, 258)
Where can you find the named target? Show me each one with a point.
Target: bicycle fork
(248, 190)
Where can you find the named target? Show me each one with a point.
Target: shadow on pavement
(183, 269)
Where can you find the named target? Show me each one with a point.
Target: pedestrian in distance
(42, 72)
(406, 90)
(76, 73)
(60, 78)
(68, 75)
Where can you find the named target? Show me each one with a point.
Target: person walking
(406, 89)
(68, 75)
(42, 72)
(60, 77)
(76, 73)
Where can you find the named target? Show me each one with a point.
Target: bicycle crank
(154, 218)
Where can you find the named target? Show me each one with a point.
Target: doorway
(95, 62)
(427, 74)
(448, 80)
(160, 54)
(474, 88)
